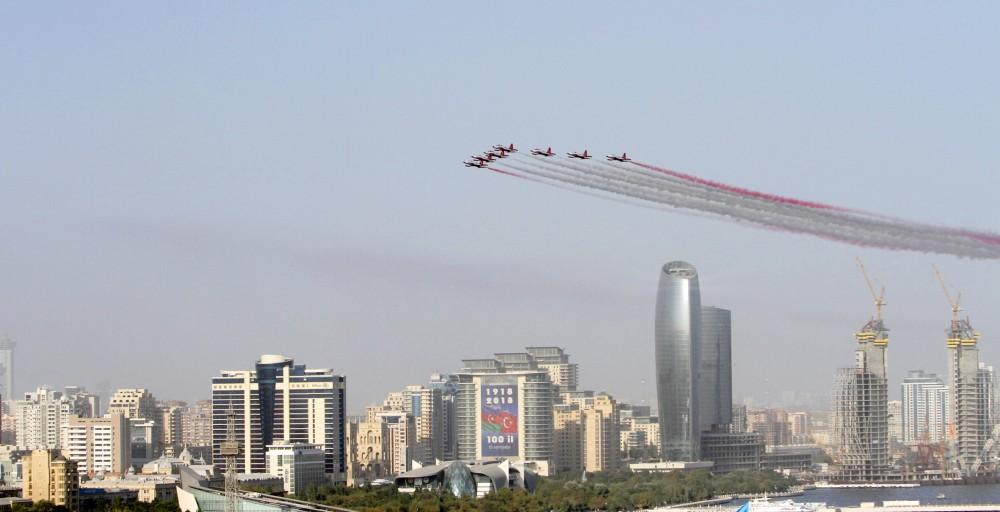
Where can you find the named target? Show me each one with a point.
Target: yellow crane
(879, 298)
(956, 303)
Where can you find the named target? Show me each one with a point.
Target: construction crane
(230, 449)
(956, 303)
(874, 331)
(879, 298)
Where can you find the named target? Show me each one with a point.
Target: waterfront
(927, 495)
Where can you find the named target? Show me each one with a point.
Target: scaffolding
(970, 406)
(861, 403)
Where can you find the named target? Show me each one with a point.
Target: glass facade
(677, 333)
(715, 378)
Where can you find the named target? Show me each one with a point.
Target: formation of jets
(501, 151)
(498, 151)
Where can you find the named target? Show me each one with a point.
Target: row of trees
(612, 491)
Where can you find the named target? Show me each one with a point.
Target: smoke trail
(650, 184)
(684, 200)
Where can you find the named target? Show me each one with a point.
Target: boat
(768, 505)
(941, 496)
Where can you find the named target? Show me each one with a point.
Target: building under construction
(970, 403)
(860, 401)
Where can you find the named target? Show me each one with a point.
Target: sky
(185, 186)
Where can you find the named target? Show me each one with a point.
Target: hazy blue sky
(184, 186)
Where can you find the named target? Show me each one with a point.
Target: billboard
(498, 411)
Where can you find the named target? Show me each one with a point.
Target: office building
(715, 375)
(139, 406)
(6, 372)
(41, 418)
(924, 408)
(732, 451)
(98, 445)
(503, 408)
(280, 401)
(299, 465)
(860, 403)
(677, 333)
(448, 385)
(48, 476)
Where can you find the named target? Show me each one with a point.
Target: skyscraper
(715, 376)
(925, 408)
(677, 333)
(860, 402)
(281, 401)
(448, 385)
(967, 408)
(503, 408)
(7, 371)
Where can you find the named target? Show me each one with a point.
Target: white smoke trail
(621, 181)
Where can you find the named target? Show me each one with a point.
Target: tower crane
(956, 303)
(879, 298)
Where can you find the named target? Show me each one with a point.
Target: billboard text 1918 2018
(498, 409)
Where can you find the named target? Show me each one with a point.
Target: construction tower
(861, 402)
(968, 405)
(230, 449)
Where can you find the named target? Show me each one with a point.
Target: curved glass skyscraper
(678, 333)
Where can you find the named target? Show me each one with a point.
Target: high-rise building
(924, 408)
(860, 403)
(85, 405)
(172, 415)
(139, 406)
(772, 425)
(41, 418)
(98, 445)
(48, 476)
(967, 408)
(586, 433)
(987, 400)
(677, 332)
(7, 371)
(300, 465)
(427, 409)
(280, 401)
(798, 422)
(402, 436)
(895, 412)
(503, 408)
(448, 385)
(715, 374)
(198, 430)
(563, 374)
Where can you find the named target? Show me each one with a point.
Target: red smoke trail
(741, 191)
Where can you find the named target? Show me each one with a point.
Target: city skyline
(185, 194)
